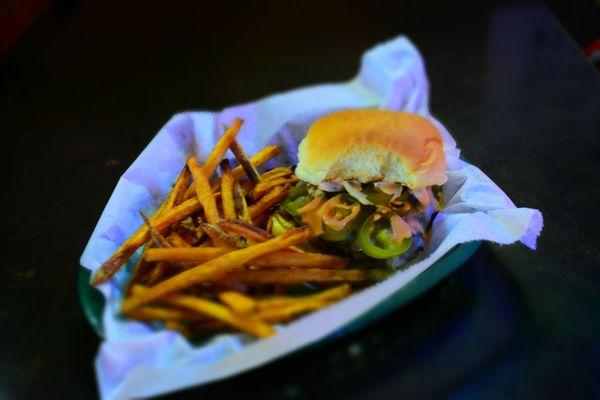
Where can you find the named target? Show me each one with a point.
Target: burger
(369, 181)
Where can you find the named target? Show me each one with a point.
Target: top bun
(372, 145)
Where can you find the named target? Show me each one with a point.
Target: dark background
(89, 84)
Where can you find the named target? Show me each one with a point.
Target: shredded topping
(330, 186)
(400, 229)
(388, 187)
(354, 189)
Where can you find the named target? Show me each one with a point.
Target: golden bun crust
(372, 145)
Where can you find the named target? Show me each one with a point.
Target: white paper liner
(137, 361)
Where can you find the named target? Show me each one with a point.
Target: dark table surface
(90, 85)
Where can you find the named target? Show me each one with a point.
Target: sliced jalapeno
(376, 239)
(297, 198)
(280, 224)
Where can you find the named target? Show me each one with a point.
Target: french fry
(238, 172)
(156, 273)
(227, 190)
(241, 207)
(141, 236)
(195, 221)
(192, 254)
(237, 302)
(289, 311)
(190, 234)
(215, 157)
(275, 173)
(221, 238)
(261, 220)
(140, 269)
(246, 185)
(245, 230)
(177, 241)
(156, 313)
(266, 186)
(224, 143)
(156, 236)
(179, 188)
(285, 258)
(275, 196)
(327, 296)
(244, 323)
(203, 307)
(291, 277)
(160, 269)
(245, 162)
(277, 259)
(216, 268)
(203, 191)
(257, 160)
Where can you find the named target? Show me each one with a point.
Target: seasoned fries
(178, 192)
(221, 238)
(141, 236)
(209, 264)
(291, 277)
(245, 162)
(177, 241)
(275, 196)
(281, 258)
(245, 323)
(238, 172)
(193, 254)
(238, 302)
(264, 187)
(287, 312)
(227, 191)
(257, 160)
(205, 195)
(215, 310)
(241, 207)
(326, 296)
(159, 239)
(224, 143)
(275, 173)
(294, 259)
(215, 157)
(157, 273)
(140, 269)
(216, 268)
(245, 230)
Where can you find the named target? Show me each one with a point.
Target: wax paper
(137, 360)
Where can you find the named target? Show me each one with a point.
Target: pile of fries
(209, 261)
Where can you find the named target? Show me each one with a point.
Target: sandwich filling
(382, 220)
